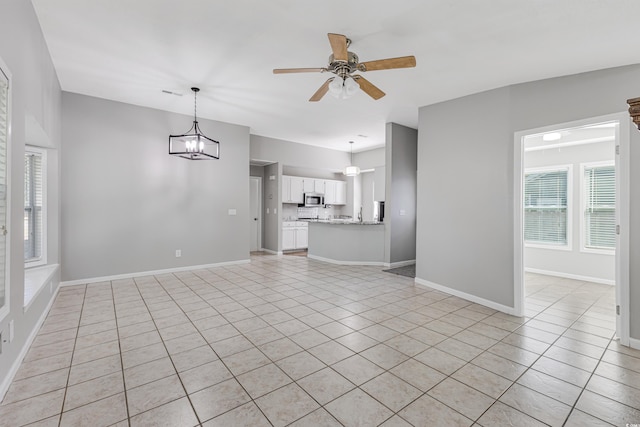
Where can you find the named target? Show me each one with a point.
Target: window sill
(36, 279)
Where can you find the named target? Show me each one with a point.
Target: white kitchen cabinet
(297, 192)
(302, 237)
(341, 193)
(295, 235)
(379, 180)
(309, 185)
(288, 238)
(292, 191)
(318, 186)
(330, 192)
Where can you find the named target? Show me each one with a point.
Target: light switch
(232, 211)
(267, 211)
(275, 211)
(402, 212)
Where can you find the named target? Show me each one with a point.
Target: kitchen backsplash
(291, 212)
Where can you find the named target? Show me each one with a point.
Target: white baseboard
(634, 343)
(399, 263)
(466, 296)
(151, 273)
(340, 262)
(571, 276)
(4, 386)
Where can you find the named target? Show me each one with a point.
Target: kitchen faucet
(360, 214)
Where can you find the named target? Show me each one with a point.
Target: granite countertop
(344, 222)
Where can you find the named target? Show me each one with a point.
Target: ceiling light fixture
(553, 136)
(343, 87)
(351, 170)
(194, 145)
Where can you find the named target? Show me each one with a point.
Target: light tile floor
(291, 341)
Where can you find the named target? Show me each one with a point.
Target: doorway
(255, 212)
(571, 202)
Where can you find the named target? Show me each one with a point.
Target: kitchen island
(347, 242)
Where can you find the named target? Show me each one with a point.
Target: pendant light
(194, 145)
(351, 170)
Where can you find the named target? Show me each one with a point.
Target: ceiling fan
(343, 64)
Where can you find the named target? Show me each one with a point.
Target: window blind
(545, 207)
(33, 206)
(600, 212)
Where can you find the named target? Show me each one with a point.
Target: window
(546, 210)
(599, 196)
(34, 209)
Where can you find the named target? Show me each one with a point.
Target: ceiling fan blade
(321, 92)
(389, 63)
(339, 46)
(298, 70)
(369, 88)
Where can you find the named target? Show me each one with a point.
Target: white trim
(634, 343)
(571, 276)
(4, 386)
(466, 296)
(399, 263)
(622, 250)
(341, 262)
(41, 276)
(5, 310)
(623, 199)
(151, 273)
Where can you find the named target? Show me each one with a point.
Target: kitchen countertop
(344, 222)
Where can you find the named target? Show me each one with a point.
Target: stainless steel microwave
(313, 199)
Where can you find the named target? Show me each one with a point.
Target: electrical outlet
(178, 253)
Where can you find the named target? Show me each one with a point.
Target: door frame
(622, 214)
(5, 310)
(259, 201)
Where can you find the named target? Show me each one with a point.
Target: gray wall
(370, 159)
(128, 205)
(465, 163)
(293, 154)
(271, 201)
(400, 193)
(35, 93)
(256, 171)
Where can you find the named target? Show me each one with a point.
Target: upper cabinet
(294, 187)
(341, 193)
(309, 185)
(379, 179)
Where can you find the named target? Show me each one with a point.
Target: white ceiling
(129, 50)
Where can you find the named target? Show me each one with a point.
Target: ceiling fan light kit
(344, 64)
(193, 144)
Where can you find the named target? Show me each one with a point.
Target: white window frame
(42, 260)
(583, 206)
(569, 169)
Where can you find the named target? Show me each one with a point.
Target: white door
(4, 159)
(255, 186)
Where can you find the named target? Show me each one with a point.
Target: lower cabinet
(295, 235)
